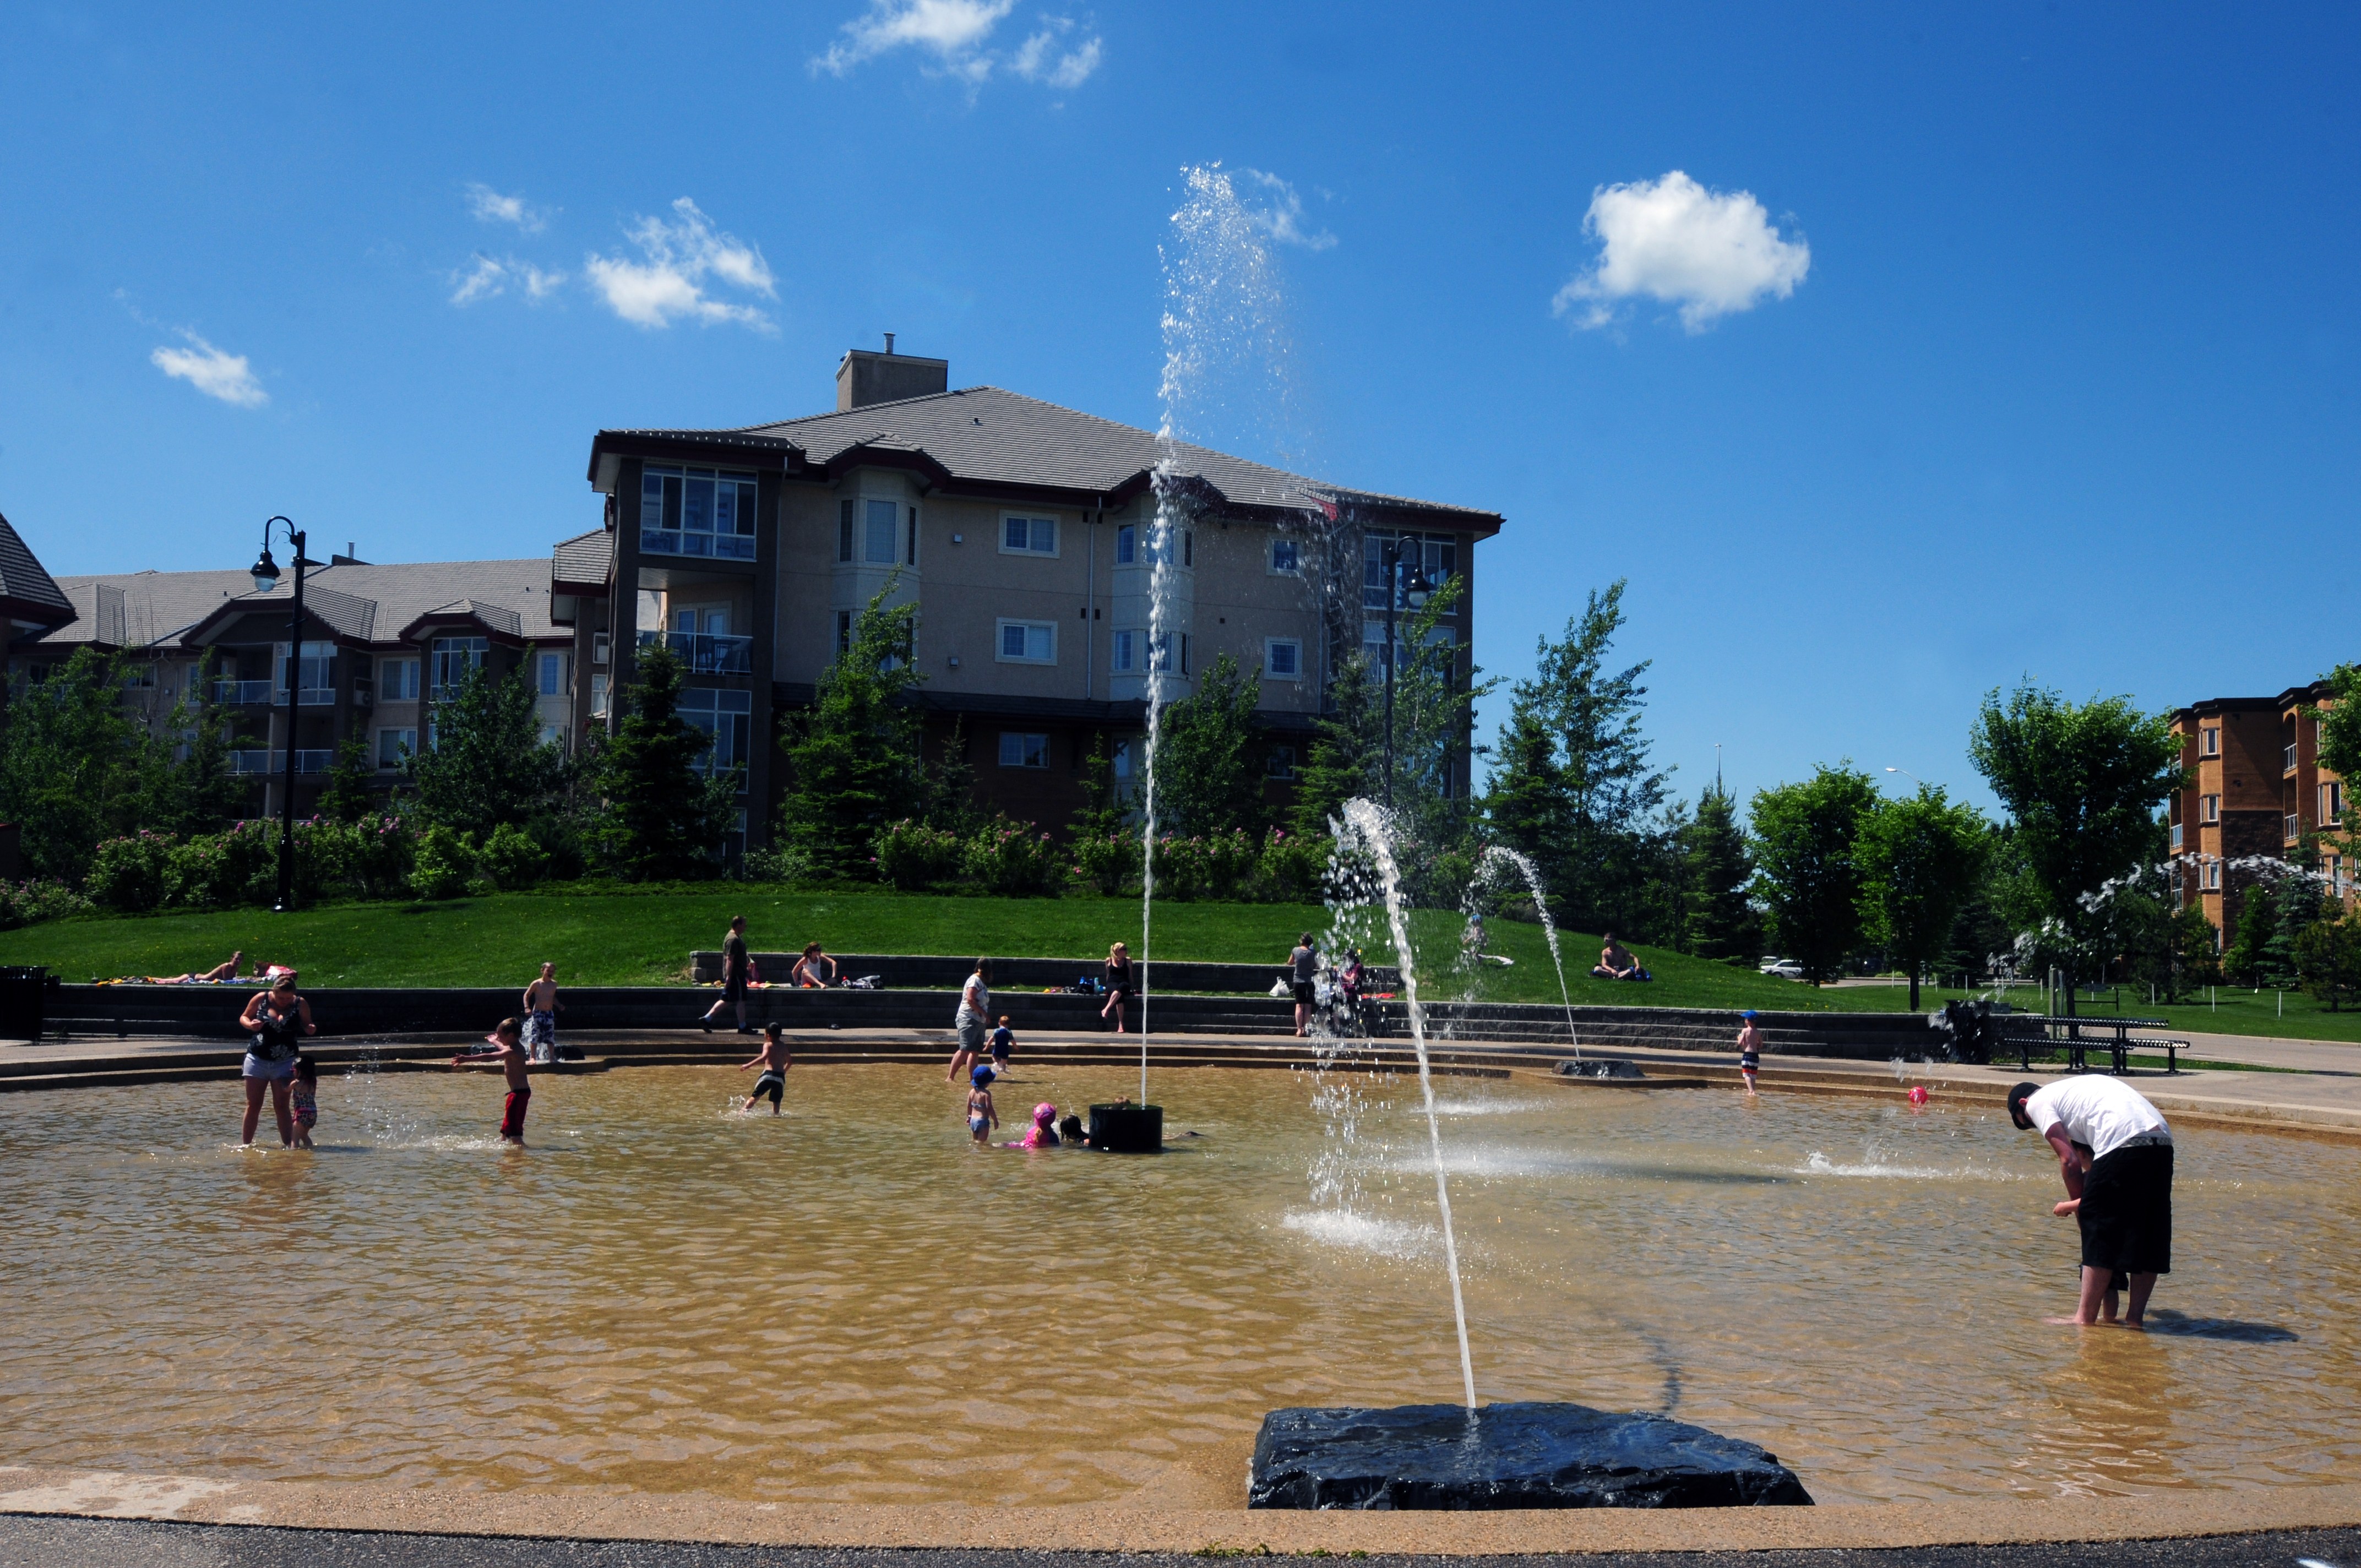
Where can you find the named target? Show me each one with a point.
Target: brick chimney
(863, 378)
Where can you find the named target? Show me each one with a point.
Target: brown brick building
(2256, 792)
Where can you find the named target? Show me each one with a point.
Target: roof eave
(609, 448)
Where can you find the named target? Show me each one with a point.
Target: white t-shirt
(2104, 1112)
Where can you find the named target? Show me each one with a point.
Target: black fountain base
(1522, 1455)
(1125, 1128)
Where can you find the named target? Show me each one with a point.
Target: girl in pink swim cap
(1043, 1135)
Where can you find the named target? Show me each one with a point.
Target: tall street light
(1907, 773)
(1412, 592)
(266, 577)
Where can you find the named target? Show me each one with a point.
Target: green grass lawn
(608, 937)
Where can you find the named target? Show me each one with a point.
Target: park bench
(2079, 1034)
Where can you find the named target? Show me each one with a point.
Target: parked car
(1785, 968)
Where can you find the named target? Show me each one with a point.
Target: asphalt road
(32, 1542)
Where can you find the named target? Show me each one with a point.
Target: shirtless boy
(774, 1061)
(508, 1053)
(541, 1010)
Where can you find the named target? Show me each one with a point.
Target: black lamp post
(1400, 591)
(266, 577)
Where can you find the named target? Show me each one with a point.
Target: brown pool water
(849, 1304)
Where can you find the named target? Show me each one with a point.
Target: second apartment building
(2256, 792)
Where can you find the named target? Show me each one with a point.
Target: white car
(1785, 968)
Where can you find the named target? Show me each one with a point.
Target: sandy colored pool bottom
(732, 1521)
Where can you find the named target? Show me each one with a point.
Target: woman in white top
(974, 1009)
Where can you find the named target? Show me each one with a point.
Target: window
(2209, 741)
(452, 658)
(1130, 547)
(843, 633)
(912, 558)
(726, 716)
(1282, 658)
(318, 671)
(139, 678)
(552, 735)
(553, 672)
(2214, 875)
(392, 745)
(696, 511)
(598, 647)
(1123, 761)
(1126, 654)
(599, 696)
(2209, 809)
(1022, 751)
(1028, 535)
(1281, 764)
(2291, 827)
(1286, 558)
(397, 680)
(877, 533)
(2331, 805)
(2176, 836)
(1437, 554)
(844, 531)
(1027, 641)
(1127, 545)
(1184, 653)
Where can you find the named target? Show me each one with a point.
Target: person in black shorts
(735, 964)
(1302, 967)
(2119, 1192)
(774, 1061)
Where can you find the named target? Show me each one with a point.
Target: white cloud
(955, 33)
(489, 206)
(490, 275)
(1709, 252)
(670, 282)
(209, 370)
(1284, 219)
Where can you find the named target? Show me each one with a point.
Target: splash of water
(1367, 821)
(1498, 854)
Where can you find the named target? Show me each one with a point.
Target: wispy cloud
(1283, 218)
(490, 276)
(955, 36)
(212, 371)
(678, 260)
(489, 206)
(1712, 253)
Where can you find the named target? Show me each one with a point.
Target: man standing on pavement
(733, 977)
(2121, 1192)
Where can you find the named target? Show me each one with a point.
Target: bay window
(696, 511)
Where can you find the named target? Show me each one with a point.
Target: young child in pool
(774, 1061)
(508, 1053)
(981, 1117)
(303, 1097)
(1003, 1042)
(1750, 1050)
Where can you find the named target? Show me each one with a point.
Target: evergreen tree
(1805, 840)
(856, 758)
(192, 789)
(662, 818)
(75, 767)
(1919, 858)
(1529, 807)
(2328, 955)
(1719, 919)
(347, 797)
(1210, 762)
(2247, 960)
(486, 763)
(1343, 758)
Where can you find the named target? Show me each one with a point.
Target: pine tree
(662, 818)
(856, 760)
(2248, 959)
(1528, 807)
(487, 762)
(346, 797)
(1719, 921)
(1344, 757)
(1209, 763)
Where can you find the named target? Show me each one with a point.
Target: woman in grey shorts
(974, 1008)
(275, 1022)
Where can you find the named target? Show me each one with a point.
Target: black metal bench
(2079, 1034)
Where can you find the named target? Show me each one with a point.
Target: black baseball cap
(2016, 1098)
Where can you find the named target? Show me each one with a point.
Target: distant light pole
(1413, 592)
(1907, 773)
(266, 577)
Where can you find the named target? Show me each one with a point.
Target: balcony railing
(686, 542)
(707, 653)
(2176, 836)
(244, 692)
(266, 763)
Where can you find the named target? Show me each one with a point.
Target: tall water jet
(1495, 855)
(1365, 820)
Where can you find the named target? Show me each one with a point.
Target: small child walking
(1750, 1050)
(508, 1053)
(303, 1095)
(1003, 1042)
(981, 1117)
(774, 1061)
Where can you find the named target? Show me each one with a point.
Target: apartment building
(2256, 792)
(378, 643)
(1026, 533)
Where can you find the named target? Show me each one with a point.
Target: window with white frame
(551, 669)
(727, 718)
(2331, 805)
(2209, 809)
(552, 735)
(1127, 545)
(397, 680)
(1122, 763)
(1028, 535)
(317, 671)
(1020, 749)
(598, 647)
(865, 531)
(910, 553)
(392, 745)
(139, 678)
(450, 660)
(1280, 763)
(696, 511)
(1122, 656)
(2213, 876)
(599, 687)
(1027, 642)
(2209, 741)
(1286, 558)
(1282, 658)
(1436, 554)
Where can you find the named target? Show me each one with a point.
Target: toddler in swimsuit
(303, 1096)
(981, 1117)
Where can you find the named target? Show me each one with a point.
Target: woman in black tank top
(275, 1022)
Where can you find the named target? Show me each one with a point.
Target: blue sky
(2040, 355)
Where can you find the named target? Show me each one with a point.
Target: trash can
(23, 992)
(1127, 1128)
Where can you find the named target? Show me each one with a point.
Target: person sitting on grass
(216, 975)
(1615, 963)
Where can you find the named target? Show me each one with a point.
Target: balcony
(707, 653)
(2286, 764)
(689, 542)
(2294, 827)
(2175, 838)
(266, 765)
(246, 692)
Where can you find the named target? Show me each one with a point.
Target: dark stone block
(1125, 1128)
(1599, 1066)
(1529, 1455)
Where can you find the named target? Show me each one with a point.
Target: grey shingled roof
(144, 608)
(585, 558)
(499, 618)
(987, 436)
(26, 580)
(365, 603)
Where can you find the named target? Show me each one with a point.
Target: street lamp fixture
(1907, 773)
(1408, 591)
(266, 577)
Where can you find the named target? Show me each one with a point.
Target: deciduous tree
(1805, 843)
(1920, 858)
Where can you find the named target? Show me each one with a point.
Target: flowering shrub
(131, 875)
(443, 864)
(911, 856)
(1107, 862)
(1016, 860)
(379, 856)
(1292, 869)
(24, 903)
(1219, 865)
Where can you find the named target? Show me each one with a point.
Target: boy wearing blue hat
(1750, 1050)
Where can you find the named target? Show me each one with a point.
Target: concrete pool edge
(704, 1518)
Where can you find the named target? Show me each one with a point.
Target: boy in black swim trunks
(774, 1061)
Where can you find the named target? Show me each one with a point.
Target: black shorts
(733, 988)
(1304, 993)
(772, 1084)
(2126, 1210)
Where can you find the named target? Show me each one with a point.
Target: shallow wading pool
(849, 1303)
